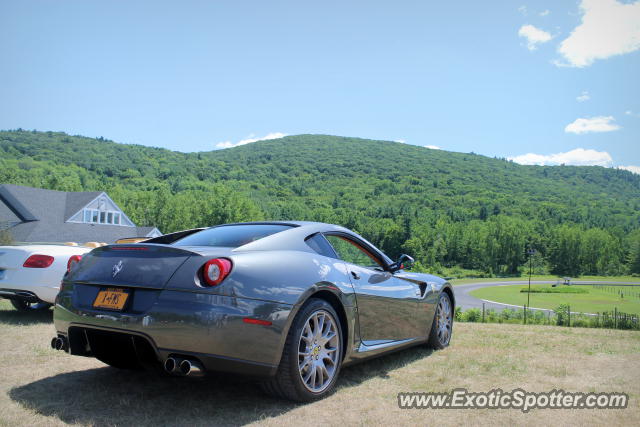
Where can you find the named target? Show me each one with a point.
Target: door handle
(355, 275)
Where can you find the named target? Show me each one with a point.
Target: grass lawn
(548, 278)
(596, 300)
(40, 386)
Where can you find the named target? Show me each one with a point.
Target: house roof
(43, 215)
(78, 200)
(13, 202)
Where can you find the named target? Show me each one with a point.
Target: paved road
(466, 301)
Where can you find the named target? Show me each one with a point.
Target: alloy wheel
(318, 351)
(445, 320)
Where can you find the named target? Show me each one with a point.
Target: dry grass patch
(42, 387)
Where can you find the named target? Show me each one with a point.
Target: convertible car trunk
(12, 257)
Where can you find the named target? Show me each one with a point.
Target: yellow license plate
(112, 299)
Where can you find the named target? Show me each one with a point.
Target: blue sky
(498, 78)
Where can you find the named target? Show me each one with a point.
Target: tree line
(456, 213)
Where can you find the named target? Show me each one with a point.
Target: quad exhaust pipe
(191, 368)
(59, 343)
(183, 367)
(172, 365)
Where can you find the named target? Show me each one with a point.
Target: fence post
(615, 318)
(568, 315)
(524, 312)
(482, 312)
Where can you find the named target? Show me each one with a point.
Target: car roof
(294, 238)
(292, 223)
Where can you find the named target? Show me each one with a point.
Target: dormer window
(101, 210)
(97, 216)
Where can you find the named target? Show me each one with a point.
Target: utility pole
(530, 252)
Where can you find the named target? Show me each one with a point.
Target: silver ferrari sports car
(286, 302)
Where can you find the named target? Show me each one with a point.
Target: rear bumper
(19, 295)
(37, 284)
(210, 328)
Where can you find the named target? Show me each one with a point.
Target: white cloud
(432, 147)
(634, 169)
(251, 138)
(544, 12)
(628, 113)
(593, 124)
(523, 10)
(608, 28)
(401, 141)
(583, 97)
(534, 36)
(577, 157)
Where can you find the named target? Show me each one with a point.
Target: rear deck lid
(136, 265)
(12, 257)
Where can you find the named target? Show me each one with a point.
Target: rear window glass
(231, 236)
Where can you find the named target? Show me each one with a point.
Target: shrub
(491, 316)
(472, 315)
(5, 238)
(603, 320)
(506, 314)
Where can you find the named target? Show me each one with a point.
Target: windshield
(231, 236)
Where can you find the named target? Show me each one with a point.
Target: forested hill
(449, 209)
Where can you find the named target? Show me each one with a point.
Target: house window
(97, 216)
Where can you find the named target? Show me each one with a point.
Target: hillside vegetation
(452, 211)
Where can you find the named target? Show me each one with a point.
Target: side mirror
(404, 262)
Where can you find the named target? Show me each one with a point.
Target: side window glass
(352, 252)
(318, 243)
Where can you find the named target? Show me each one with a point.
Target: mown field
(547, 278)
(596, 300)
(42, 387)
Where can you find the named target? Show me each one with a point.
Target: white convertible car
(30, 275)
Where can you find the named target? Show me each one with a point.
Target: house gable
(101, 210)
(153, 233)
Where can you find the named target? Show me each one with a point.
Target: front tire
(29, 306)
(312, 355)
(442, 326)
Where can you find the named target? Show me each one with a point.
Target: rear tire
(312, 355)
(442, 325)
(29, 306)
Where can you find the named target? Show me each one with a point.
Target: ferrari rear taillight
(73, 260)
(38, 261)
(215, 271)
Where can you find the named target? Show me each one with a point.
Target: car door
(387, 306)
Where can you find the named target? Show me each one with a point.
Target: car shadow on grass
(107, 396)
(11, 316)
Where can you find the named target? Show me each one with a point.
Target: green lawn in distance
(597, 300)
(547, 278)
